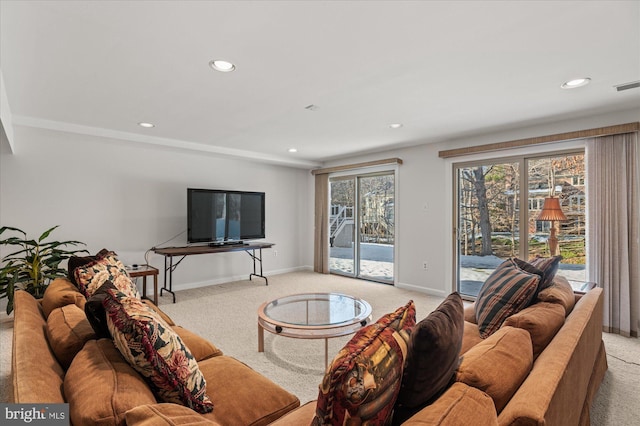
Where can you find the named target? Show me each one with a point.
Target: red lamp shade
(551, 210)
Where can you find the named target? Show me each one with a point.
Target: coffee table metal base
(313, 316)
(261, 344)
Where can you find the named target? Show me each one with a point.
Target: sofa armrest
(165, 414)
(556, 389)
(589, 285)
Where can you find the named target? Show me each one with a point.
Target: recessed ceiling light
(293, 150)
(221, 65)
(578, 82)
(395, 125)
(146, 125)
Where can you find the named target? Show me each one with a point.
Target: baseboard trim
(426, 290)
(233, 278)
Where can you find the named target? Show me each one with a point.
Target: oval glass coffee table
(313, 316)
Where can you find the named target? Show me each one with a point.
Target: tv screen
(215, 215)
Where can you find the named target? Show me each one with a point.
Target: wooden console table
(144, 271)
(170, 252)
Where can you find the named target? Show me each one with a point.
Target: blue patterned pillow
(508, 290)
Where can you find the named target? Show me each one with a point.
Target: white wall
(130, 197)
(426, 179)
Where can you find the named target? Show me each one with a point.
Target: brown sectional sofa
(103, 389)
(517, 376)
(538, 369)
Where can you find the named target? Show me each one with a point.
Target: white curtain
(613, 208)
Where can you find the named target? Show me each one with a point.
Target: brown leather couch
(530, 372)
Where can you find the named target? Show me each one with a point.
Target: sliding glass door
(488, 223)
(362, 226)
(494, 221)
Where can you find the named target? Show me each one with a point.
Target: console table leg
(169, 268)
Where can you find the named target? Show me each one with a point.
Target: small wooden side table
(144, 271)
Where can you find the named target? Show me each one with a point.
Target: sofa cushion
(100, 386)
(560, 292)
(542, 321)
(506, 291)
(106, 267)
(67, 331)
(159, 311)
(165, 414)
(156, 351)
(549, 267)
(243, 397)
(60, 292)
(470, 313)
(199, 347)
(498, 365)
(301, 416)
(432, 358)
(470, 337)
(363, 380)
(459, 405)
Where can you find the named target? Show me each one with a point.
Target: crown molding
(164, 142)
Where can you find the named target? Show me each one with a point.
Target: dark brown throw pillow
(549, 266)
(95, 311)
(432, 358)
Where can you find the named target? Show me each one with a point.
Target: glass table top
(317, 309)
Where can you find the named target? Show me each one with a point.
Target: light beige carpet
(226, 314)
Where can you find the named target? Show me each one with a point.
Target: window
(494, 221)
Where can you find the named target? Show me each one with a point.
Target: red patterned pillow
(362, 383)
(508, 290)
(106, 267)
(154, 350)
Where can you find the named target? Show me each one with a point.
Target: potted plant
(34, 264)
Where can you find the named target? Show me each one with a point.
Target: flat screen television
(219, 216)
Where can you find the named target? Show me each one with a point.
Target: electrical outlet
(275, 253)
(425, 266)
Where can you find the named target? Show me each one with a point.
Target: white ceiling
(443, 69)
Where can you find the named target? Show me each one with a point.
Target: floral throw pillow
(153, 349)
(362, 383)
(106, 267)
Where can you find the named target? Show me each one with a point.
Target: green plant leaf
(46, 233)
(34, 264)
